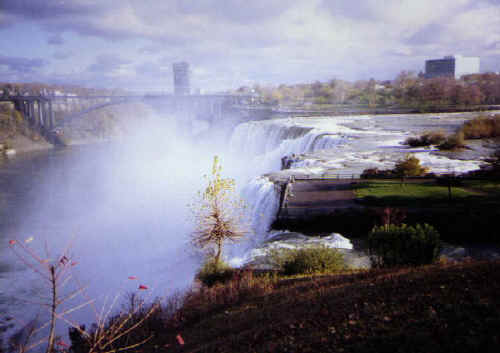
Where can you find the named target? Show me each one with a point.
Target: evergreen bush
(409, 166)
(213, 272)
(392, 245)
(310, 260)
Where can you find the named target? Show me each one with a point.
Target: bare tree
(108, 335)
(218, 214)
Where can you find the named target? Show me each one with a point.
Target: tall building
(181, 78)
(452, 66)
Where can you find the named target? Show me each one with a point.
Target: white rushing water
(344, 145)
(266, 142)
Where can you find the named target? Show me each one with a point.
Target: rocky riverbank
(21, 144)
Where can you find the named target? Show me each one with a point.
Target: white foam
(441, 164)
(278, 240)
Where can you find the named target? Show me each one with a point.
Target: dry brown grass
(437, 308)
(482, 127)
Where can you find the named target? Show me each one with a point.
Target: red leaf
(143, 287)
(12, 242)
(62, 343)
(180, 339)
(132, 277)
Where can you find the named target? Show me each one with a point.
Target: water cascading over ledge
(267, 142)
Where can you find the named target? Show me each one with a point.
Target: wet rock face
(291, 240)
(287, 161)
(260, 258)
(456, 253)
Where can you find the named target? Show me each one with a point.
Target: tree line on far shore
(406, 90)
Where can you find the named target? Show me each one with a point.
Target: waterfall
(266, 142)
(325, 141)
(259, 137)
(261, 198)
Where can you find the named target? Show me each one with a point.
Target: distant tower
(181, 78)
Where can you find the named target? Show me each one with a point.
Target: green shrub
(371, 173)
(409, 166)
(403, 245)
(213, 272)
(317, 259)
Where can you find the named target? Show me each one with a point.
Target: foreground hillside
(439, 308)
(436, 308)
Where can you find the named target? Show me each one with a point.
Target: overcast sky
(229, 43)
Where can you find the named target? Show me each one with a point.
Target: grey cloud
(242, 11)
(49, 9)
(352, 9)
(58, 16)
(107, 63)
(6, 20)
(397, 53)
(82, 16)
(22, 65)
(152, 69)
(62, 55)
(151, 49)
(427, 34)
(55, 39)
(171, 58)
(172, 23)
(493, 46)
(87, 27)
(490, 63)
(491, 2)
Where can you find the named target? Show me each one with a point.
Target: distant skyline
(132, 44)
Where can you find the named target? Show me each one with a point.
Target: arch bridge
(39, 111)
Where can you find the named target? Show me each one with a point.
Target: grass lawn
(392, 192)
(491, 187)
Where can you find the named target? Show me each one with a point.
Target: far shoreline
(360, 110)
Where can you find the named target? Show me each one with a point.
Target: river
(122, 209)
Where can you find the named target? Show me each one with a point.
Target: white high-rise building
(452, 66)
